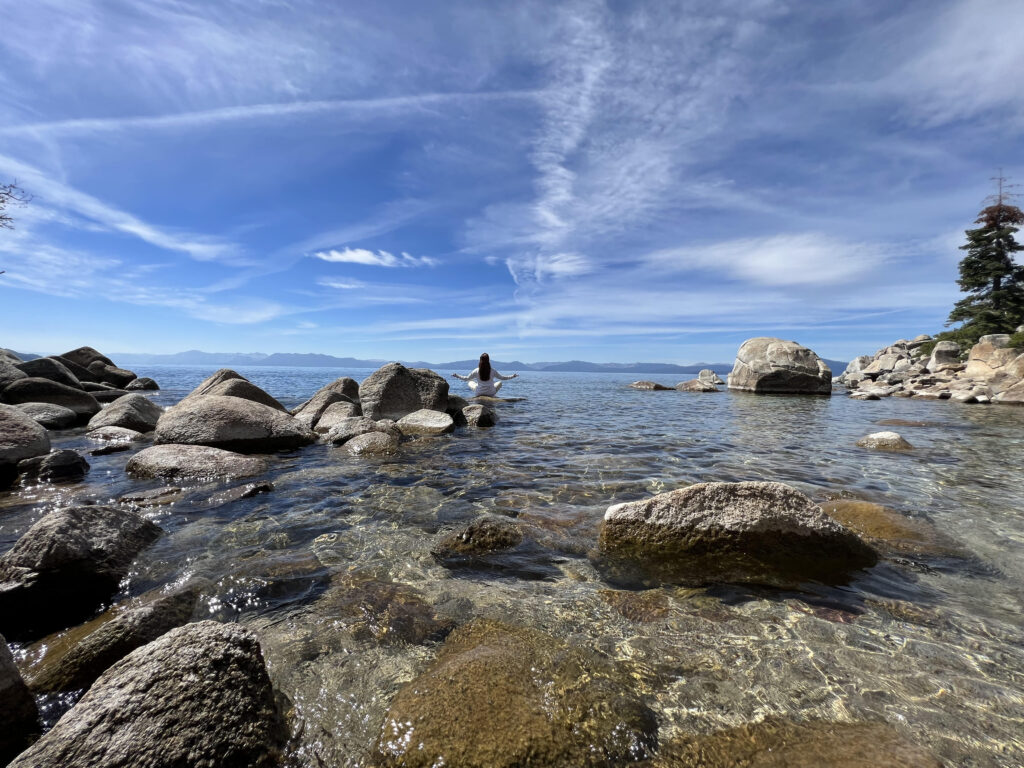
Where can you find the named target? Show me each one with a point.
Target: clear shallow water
(930, 642)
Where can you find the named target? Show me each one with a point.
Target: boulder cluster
(707, 381)
(989, 372)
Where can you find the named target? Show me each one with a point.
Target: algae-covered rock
(500, 696)
(483, 535)
(783, 744)
(755, 532)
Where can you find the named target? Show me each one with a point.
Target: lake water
(929, 641)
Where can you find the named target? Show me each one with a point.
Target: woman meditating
(482, 379)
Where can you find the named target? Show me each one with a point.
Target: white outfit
(488, 388)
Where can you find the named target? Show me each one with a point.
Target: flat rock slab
(426, 422)
(756, 532)
(193, 462)
(197, 696)
(66, 564)
(499, 696)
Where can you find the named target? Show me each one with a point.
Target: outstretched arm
(474, 374)
(499, 377)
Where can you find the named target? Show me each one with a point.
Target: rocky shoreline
(134, 658)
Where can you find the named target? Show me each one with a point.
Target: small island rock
(768, 365)
(885, 441)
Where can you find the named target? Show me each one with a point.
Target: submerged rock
(385, 611)
(66, 564)
(394, 391)
(193, 462)
(18, 712)
(132, 411)
(483, 535)
(768, 365)
(499, 696)
(888, 528)
(754, 532)
(231, 423)
(372, 443)
(114, 435)
(197, 696)
(650, 385)
(74, 659)
(885, 441)
(783, 744)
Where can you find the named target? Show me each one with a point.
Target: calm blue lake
(929, 641)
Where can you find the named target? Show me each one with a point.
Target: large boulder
(73, 660)
(426, 422)
(499, 696)
(211, 381)
(752, 532)
(9, 372)
(944, 355)
(1012, 395)
(66, 564)
(18, 711)
(49, 415)
(131, 411)
(344, 390)
(246, 390)
(772, 366)
(708, 375)
(49, 368)
(193, 462)
(111, 374)
(335, 414)
(81, 373)
(143, 382)
(197, 696)
(85, 356)
(394, 391)
(34, 390)
(20, 436)
(233, 424)
(347, 428)
(992, 356)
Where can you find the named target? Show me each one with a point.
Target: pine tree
(988, 273)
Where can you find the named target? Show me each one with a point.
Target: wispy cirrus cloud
(374, 258)
(50, 193)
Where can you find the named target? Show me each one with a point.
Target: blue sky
(610, 181)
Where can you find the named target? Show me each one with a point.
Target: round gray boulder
(69, 561)
(885, 441)
(233, 424)
(20, 436)
(34, 390)
(60, 466)
(132, 411)
(334, 414)
(49, 368)
(245, 390)
(197, 696)
(393, 391)
(85, 356)
(49, 415)
(9, 373)
(193, 462)
(372, 443)
(143, 382)
(754, 532)
(767, 365)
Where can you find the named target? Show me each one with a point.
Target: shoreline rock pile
(991, 372)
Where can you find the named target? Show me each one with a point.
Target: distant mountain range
(311, 360)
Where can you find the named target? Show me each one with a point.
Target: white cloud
(802, 259)
(341, 285)
(374, 258)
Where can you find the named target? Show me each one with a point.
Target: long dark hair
(484, 369)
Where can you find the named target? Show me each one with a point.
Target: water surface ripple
(930, 643)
